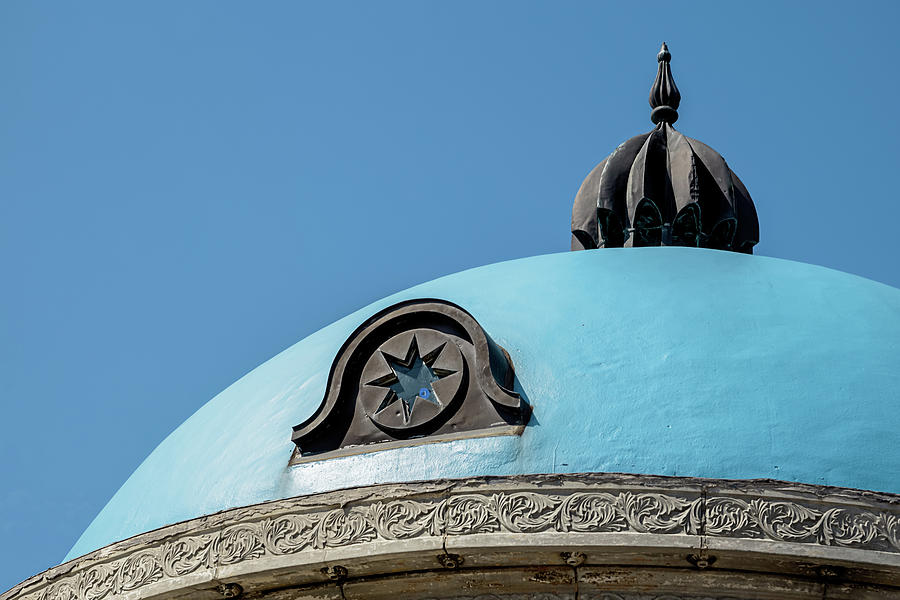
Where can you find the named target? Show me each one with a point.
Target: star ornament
(411, 379)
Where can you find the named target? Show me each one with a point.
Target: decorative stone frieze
(617, 512)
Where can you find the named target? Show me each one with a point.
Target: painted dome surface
(668, 361)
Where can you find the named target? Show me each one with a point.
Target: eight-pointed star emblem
(411, 379)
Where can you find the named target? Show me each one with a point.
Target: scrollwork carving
(239, 543)
(467, 514)
(728, 516)
(296, 525)
(61, 591)
(183, 556)
(97, 582)
(137, 570)
(659, 513)
(341, 528)
(839, 526)
(402, 519)
(289, 534)
(889, 526)
(586, 512)
(784, 521)
(525, 512)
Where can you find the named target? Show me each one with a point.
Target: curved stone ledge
(386, 530)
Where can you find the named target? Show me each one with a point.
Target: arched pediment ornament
(417, 372)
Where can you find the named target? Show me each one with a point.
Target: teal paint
(669, 361)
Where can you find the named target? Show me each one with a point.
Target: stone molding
(603, 596)
(801, 516)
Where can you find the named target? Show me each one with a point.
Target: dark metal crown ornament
(664, 189)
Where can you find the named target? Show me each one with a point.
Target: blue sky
(187, 188)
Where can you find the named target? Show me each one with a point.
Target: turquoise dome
(668, 361)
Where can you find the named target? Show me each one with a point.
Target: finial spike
(664, 55)
(664, 94)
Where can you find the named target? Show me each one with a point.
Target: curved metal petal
(649, 178)
(682, 169)
(747, 234)
(585, 235)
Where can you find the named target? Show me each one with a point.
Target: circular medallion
(412, 380)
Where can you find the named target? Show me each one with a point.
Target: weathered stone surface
(628, 531)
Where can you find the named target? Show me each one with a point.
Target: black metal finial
(664, 95)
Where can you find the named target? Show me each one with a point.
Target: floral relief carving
(340, 528)
(889, 525)
(138, 570)
(729, 517)
(659, 513)
(239, 543)
(844, 528)
(184, 555)
(524, 512)
(292, 526)
(584, 512)
(61, 591)
(288, 534)
(467, 514)
(96, 583)
(402, 519)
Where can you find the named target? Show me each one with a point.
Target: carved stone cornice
(800, 524)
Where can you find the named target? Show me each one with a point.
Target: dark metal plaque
(417, 372)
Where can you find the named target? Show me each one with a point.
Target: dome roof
(632, 360)
(664, 189)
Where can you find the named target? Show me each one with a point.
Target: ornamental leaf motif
(862, 523)
(239, 543)
(138, 570)
(585, 512)
(784, 521)
(339, 528)
(61, 591)
(401, 519)
(185, 555)
(889, 526)
(526, 512)
(97, 582)
(655, 513)
(466, 514)
(728, 516)
(841, 527)
(289, 533)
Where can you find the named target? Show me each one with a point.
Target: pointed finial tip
(664, 55)
(664, 95)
